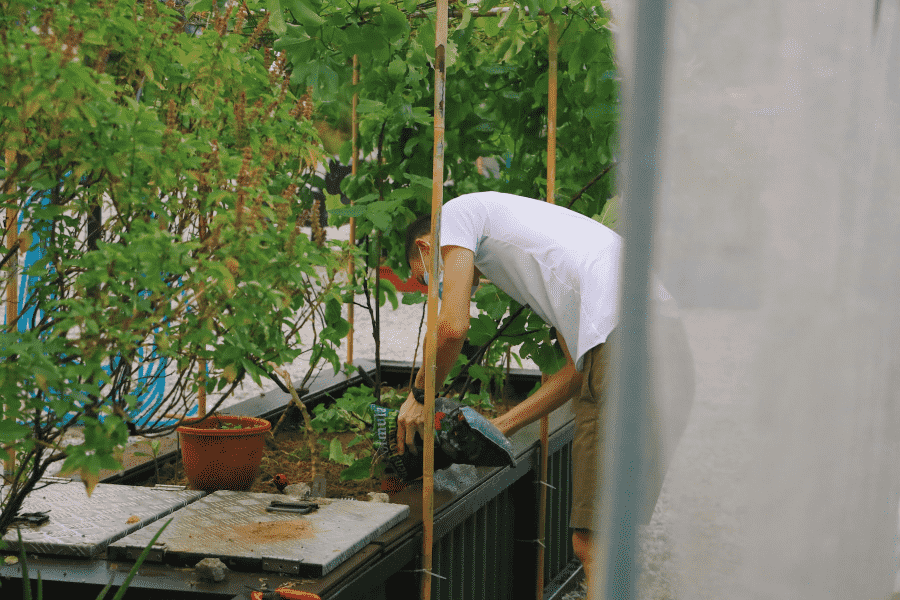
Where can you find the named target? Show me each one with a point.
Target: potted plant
(222, 452)
(157, 180)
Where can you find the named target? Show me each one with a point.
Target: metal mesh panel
(472, 560)
(559, 509)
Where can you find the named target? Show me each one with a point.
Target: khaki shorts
(591, 410)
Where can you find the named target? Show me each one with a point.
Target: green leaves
(490, 25)
(186, 143)
(610, 214)
(359, 469)
(348, 413)
(394, 23)
(336, 453)
(350, 211)
(11, 431)
(160, 127)
(496, 107)
(304, 12)
(368, 105)
(276, 17)
(481, 329)
(198, 6)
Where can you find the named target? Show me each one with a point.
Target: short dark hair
(418, 228)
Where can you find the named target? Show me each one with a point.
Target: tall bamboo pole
(551, 198)
(551, 115)
(201, 364)
(354, 165)
(12, 240)
(12, 282)
(437, 198)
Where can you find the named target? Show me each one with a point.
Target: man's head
(418, 244)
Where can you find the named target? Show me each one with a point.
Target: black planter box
(485, 525)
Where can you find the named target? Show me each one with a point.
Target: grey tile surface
(84, 526)
(235, 527)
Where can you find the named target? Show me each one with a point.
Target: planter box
(485, 523)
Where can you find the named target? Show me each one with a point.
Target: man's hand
(410, 420)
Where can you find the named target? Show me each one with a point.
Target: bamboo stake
(201, 364)
(437, 198)
(201, 391)
(12, 240)
(354, 160)
(12, 285)
(542, 505)
(551, 198)
(551, 117)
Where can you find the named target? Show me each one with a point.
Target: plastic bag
(461, 436)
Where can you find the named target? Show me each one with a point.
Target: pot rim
(252, 426)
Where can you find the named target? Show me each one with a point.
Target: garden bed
(289, 455)
(291, 458)
(483, 513)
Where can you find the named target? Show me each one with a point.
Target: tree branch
(590, 183)
(479, 354)
(9, 254)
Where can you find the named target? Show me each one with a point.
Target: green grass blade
(137, 564)
(106, 588)
(26, 582)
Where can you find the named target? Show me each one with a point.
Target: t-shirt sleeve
(462, 223)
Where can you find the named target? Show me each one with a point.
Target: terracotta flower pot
(217, 458)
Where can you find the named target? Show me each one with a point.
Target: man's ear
(423, 245)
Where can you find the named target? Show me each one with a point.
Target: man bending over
(565, 267)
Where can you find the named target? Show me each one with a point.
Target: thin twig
(464, 372)
(310, 432)
(412, 370)
(590, 183)
(10, 254)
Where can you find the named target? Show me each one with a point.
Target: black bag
(461, 436)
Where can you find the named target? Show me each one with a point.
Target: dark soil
(291, 458)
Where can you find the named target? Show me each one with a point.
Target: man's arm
(559, 387)
(452, 328)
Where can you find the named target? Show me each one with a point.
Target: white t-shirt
(562, 264)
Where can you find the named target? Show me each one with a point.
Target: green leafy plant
(159, 166)
(156, 165)
(361, 468)
(350, 413)
(347, 413)
(230, 426)
(154, 447)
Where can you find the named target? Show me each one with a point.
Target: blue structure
(149, 384)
